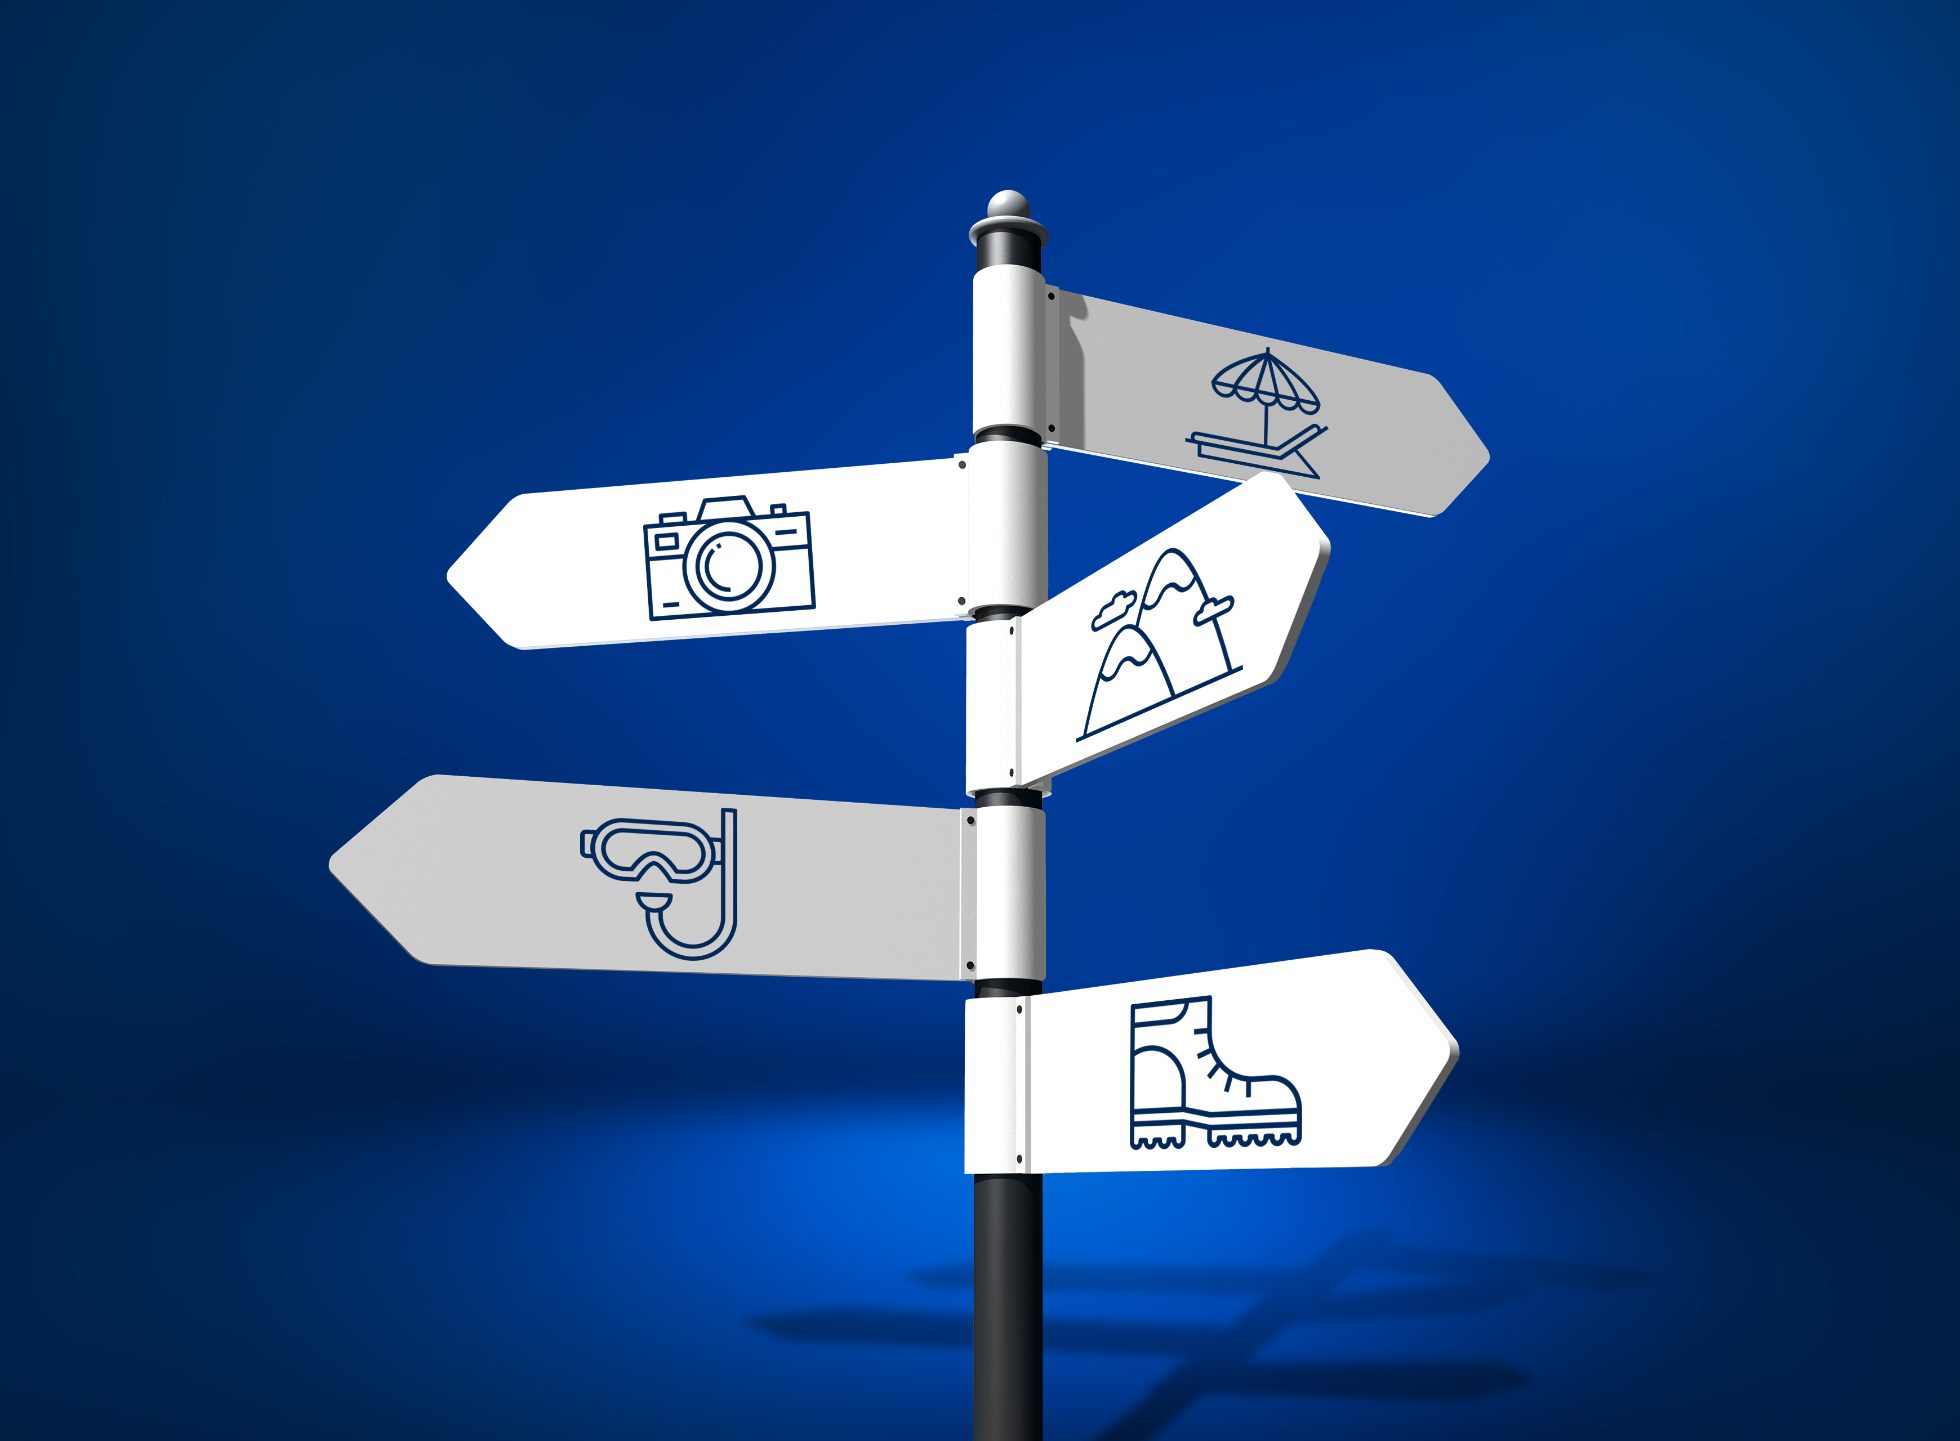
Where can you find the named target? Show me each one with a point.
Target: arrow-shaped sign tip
(479, 576)
(1460, 452)
(1438, 1043)
(370, 865)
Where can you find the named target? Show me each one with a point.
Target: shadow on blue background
(1219, 1358)
(1636, 758)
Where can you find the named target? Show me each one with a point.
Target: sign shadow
(1339, 1285)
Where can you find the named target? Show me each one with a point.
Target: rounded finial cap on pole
(1008, 211)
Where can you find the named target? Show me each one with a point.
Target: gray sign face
(1141, 386)
(471, 872)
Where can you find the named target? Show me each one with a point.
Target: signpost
(1322, 1062)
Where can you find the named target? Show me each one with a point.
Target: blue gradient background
(1637, 758)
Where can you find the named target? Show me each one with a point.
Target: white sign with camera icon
(797, 550)
(466, 871)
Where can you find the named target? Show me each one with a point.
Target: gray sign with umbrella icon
(1138, 385)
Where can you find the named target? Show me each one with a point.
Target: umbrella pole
(1008, 480)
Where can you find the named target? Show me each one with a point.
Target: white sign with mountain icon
(1207, 611)
(1326, 1061)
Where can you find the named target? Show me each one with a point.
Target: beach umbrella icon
(1270, 381)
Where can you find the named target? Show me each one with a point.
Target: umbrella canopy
(1269, 380)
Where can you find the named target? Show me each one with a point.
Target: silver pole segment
(1009, 501)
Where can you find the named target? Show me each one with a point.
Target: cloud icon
(1212, 609)
(1119, 606)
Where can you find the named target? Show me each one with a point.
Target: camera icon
(728, 560)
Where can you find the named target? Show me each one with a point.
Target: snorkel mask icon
(683, 854)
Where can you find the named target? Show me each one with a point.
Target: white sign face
(471, 872)
(1207, 611)
(798, 550)
(1153, 388)
(1323, 1062)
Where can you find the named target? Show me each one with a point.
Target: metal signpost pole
(1009, 508)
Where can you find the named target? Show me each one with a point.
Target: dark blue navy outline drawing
(1118, 609)
(1162, 1128)
(714, 853)
(1269, 381)
(681, 582)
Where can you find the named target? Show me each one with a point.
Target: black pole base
(1007, 1308)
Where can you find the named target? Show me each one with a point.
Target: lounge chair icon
(627, 849)
(1271, 382)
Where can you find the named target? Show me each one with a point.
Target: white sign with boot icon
(1329, 1061)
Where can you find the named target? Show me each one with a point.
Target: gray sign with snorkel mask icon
(474, 872)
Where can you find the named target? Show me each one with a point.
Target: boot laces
(1218, 1065)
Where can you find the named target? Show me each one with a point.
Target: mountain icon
(1173, 646)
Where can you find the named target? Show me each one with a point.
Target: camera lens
(730, 567)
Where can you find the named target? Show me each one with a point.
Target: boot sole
(1280, 1135)
(1253, 1138)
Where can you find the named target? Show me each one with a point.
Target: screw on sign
(1328, 1061)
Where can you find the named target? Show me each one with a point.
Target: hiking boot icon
(1178, 1083)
